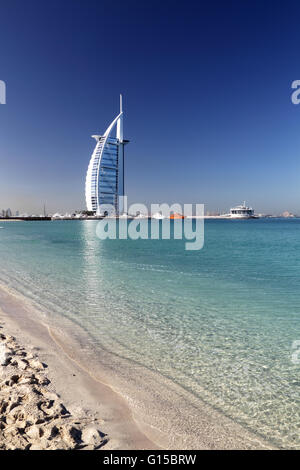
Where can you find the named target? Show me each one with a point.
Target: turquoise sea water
(221, 321)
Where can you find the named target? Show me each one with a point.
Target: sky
(207, 100)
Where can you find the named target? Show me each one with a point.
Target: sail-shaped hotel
(104, 184)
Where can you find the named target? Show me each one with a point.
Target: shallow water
(220, 321)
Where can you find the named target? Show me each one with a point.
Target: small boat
(175, 215)
(56, 216)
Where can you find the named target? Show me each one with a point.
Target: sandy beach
(32, 414)
(51, 400)
(47, 401)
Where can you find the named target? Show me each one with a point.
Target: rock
(59, 445)
(5, 356)
(14, 379)
(3, 406)
(39, 379)
(50, 395)
(25, 380)
(14, 407)
(34, 432)
(36, 447)
(8, 339)
(10, 419)
(91, 435)
(42, 379)
(42, 444)
(35, 364)
(21, 424)
(10, 431)
(51, 432)
(18, 444)
(71, 435)
(22, 364)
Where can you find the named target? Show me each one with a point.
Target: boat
(57, 216)
(242, 212)
(158, 215)
(141, 216)
(175, 215)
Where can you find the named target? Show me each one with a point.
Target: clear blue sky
(206, 90)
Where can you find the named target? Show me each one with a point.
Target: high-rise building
(105, 175)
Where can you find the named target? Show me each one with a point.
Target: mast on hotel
(104, 184)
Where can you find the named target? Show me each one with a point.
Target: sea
(222, 322)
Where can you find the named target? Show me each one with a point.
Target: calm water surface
(220, 321)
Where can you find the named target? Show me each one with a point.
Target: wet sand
(105, 403)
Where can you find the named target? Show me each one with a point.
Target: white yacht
(141, 216)
(56, 216)
(242, 212)
(158, 215)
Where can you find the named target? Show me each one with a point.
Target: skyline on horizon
(208, 113)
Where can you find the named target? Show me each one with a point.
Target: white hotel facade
(104, 184)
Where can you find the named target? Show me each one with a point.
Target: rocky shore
(32, 415)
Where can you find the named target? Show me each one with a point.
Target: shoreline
(81, 394)
(131, 402)
(194, 217)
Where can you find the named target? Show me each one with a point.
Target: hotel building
(104, 184)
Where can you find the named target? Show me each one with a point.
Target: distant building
(6, 213)
(105, 175)
(213, 214)
(287, 214)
